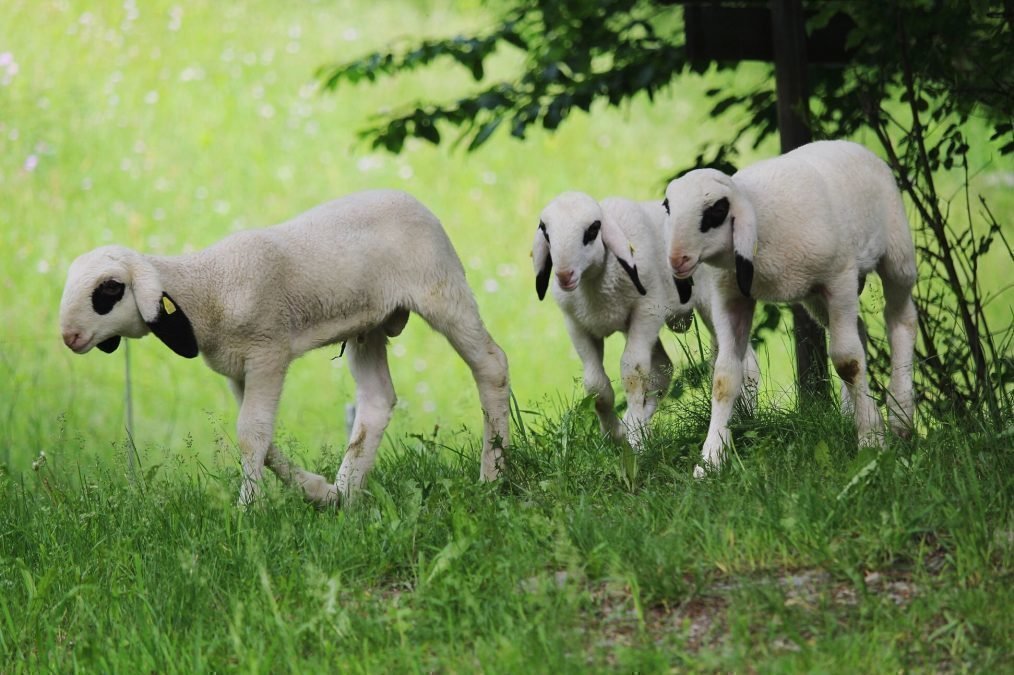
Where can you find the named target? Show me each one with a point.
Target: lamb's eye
(592, 232)
(111, 287)
(106, 295)
(665, 203)
(715, 214)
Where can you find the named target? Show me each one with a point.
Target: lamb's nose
(676, 260)
(70, 338)
(566, 277)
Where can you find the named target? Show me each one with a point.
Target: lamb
(347, 271)
(622, 284)
(808, 227)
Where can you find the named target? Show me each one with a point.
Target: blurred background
(164, 126)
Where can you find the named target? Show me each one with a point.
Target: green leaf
(485, 131)
(425, 129)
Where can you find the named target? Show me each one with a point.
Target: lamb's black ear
(616, 243)
(743, 221)
(744, 274)
(542, 278)
(685, 288)
(631, 271)
(109, 345)
(542, 261)
(172, 327)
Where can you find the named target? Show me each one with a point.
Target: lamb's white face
(698, 223)
(98, 304)
(572, 223)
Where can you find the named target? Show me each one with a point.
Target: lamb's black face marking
(109, 345)
(106, 295)
(592, 232)
(545, 233)
(715, 214)
(685, 288)
(665, 203)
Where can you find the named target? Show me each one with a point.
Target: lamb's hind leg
(639, 378)
(661, 377)
(901, 319)
(375, 401)
(846, 401)
(848, 357)
(460, 323)
(817, 308)
(314, 486)
(596, 382)
(644, 386)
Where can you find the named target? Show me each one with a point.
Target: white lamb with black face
(612, 277)
(347, 271)
(804, 227)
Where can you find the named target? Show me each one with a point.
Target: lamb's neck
(191, 282)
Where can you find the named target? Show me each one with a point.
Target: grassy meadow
(165, 126)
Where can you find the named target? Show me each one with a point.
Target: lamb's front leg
(314, 486)
(375, 401)
(732, 331)
(590, 350)
(636, 371)
(255, 428)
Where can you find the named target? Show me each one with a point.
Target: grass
(802, 556)
(166, 125)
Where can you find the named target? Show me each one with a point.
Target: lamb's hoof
(699, 472)
(903, 431)
(872, 439)
(248, 496)
(317, 490)
(490, 475)
(332, 501)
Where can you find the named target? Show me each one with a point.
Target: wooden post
(788, 33)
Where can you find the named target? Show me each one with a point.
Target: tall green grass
(803, 555)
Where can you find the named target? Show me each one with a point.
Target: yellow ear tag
(631, 248)
(168, 304)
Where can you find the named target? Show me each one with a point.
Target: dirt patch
(701, 622)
